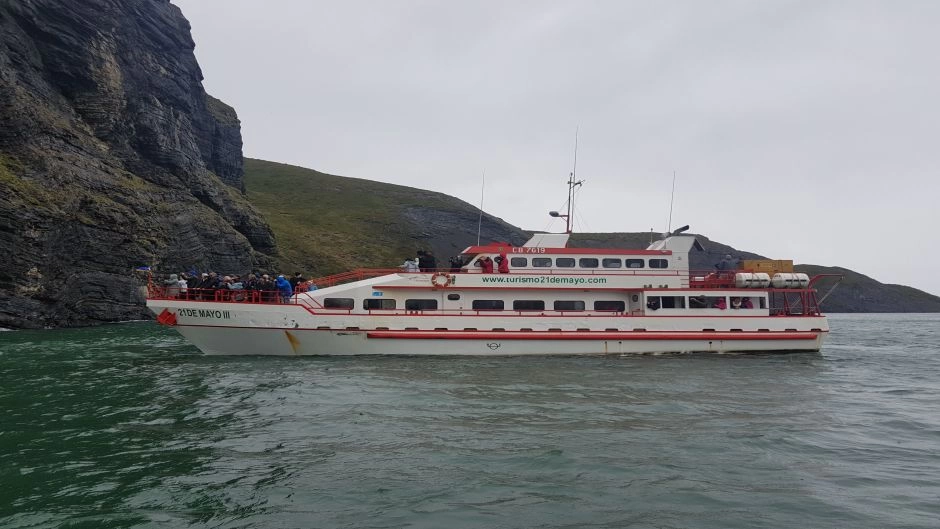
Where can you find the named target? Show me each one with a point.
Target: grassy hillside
(326, 224)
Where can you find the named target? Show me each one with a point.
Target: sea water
(129, 426)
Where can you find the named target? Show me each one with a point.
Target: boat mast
(573, 182)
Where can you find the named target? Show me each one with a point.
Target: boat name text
(200, 313)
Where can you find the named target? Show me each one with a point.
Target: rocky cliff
(112, 156)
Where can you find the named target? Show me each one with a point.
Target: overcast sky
(797, 129)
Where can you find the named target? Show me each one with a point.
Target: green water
(129, 426)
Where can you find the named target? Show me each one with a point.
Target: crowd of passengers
(206, 286)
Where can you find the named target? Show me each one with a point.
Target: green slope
(326, 224)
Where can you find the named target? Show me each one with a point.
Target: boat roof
(556, 244)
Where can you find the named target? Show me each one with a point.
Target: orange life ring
(440, 280)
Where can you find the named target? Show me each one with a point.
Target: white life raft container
(751, 280)
(790, 280)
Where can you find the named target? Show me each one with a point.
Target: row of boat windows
(587, 262)
(653, 302)
(477, 304)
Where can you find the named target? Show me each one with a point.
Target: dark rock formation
(112, 156)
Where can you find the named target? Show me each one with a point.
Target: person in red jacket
(503, 264)
(486, 264)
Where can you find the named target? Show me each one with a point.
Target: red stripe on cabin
(591, 335)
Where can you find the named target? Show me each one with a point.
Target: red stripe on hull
(573, 335)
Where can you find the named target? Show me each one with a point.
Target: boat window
(616, 306)
(665, 302)
(519, 262)
(706, 302)
(529, 304)
(542, 262)
(633, 263)
(763, 303)
(612, 263)
(378, 304)
(420, 304)
(569, 305)
(587, 262)
(564, 262)
(659, 263)
(488, 304)
(339, 303)
(453, 297)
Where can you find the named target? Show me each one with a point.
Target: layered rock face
(112, 156)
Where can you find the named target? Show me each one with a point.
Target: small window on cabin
(564, 262)
(339, 303)
(519, 262)
(453, 297)
(569, 305)
(529, 304)
(673, 302)
(542, 262)
(488, 304)
(588, 262)
(615, 306)
(707, 302)
(659, 263)
(420, 304)
(762, 303)
(612, 263)
(633, 263)
(698, 302)
(378, 304)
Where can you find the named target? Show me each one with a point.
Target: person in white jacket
(410, 265)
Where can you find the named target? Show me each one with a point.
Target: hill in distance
(326, 224)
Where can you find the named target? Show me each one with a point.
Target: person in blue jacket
(283, 286)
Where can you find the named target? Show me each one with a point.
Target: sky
(804, 130)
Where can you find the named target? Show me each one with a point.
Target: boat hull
(291, 330)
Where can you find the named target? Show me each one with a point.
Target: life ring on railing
(441, 280)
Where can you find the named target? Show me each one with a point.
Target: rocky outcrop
(112, 156)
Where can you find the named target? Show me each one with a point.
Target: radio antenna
(572, 184)
(672, 198)
(480, 222)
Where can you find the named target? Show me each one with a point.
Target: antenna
(480, 222)
(672, 198)
(572, 183)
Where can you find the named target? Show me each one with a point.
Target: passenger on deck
(746, 303)
(456, 264)
(410, 265)
(502, 263)
(268, 289)
(298, 277)
(735, 303)
(486, 264)
(284, 289)
(721, 303)
(426, 261)
(172, 286)
(698, 302)
(726, 264)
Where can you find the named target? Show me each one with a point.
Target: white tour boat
(553, 300)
